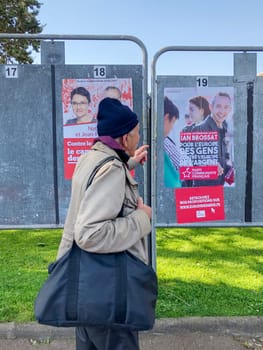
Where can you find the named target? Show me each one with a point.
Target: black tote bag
(91, 289)
(84, 289)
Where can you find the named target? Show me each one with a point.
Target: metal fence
(243, 201)
(33, 190)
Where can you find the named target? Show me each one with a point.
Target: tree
(19, 16)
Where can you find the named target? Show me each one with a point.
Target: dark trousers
(103, 338)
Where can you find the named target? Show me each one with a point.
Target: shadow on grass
(182, 299)
(25, 255)
(9, 238)
(210, 272)
(214, 245)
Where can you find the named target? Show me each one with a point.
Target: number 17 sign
(11, 71)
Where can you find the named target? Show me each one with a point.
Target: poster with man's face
(80, 100)
(199, 150)
(198, 137)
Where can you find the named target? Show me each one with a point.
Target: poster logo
(198, 172)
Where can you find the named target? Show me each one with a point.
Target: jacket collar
(112, 144)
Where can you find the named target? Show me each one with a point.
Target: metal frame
(63, 37)
(157, 55)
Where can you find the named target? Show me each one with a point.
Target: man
(174, 157)
(171, 151)
(112, 92)
(220, 110)
(109, 216)
(80, 100)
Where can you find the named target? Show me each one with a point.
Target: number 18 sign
(99, 71)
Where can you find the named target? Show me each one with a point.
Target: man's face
(221, 109)
(113, 93)
(132, 140)
(80, 105)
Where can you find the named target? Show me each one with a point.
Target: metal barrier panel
(85, 73)
(33, 187)
(26, 139)
(241, 198)
(257, 170)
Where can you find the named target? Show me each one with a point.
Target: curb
(245, 326)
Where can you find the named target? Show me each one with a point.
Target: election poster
(199, 137)
(80, 100)
(199, 204)
(199, 150)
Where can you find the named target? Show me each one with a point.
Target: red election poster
(77, 143)
(202, 147)
(199, 204)
(80, 99)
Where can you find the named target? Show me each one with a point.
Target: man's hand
(144, 207)
(140, 155)
(220, 170)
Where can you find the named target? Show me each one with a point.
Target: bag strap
(74, 261)
(97, 168)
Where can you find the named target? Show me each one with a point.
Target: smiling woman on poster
(80, 100)
(198, 111)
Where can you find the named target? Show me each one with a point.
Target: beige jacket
(92, 218)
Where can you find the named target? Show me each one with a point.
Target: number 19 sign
(201, 82)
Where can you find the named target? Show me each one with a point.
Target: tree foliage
(19, 16)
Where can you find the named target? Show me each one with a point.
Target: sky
(157, 24)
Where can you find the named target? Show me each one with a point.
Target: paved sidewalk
(192, 333)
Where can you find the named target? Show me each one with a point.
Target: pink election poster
(199, 150)
(199, 137)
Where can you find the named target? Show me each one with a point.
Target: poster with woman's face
(198, 137)
(80, 100)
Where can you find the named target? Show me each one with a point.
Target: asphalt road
(207, 333)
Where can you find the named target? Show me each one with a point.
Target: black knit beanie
(115, 119)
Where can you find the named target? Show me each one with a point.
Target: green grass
(210, 272)
(24, 257)
(201, 271)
